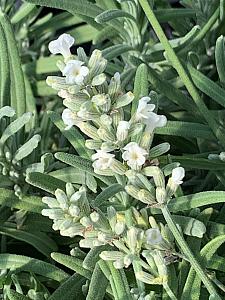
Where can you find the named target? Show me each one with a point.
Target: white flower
(177, 175)
(102, 160)
(122, 130)
(70, 118)
(153, 236)
(75, 72)
(154, 121)
(144, 108)
(134, 155)
(62, 45)
(146, 115)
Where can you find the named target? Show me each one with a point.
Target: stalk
(175, 62)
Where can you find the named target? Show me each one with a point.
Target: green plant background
(177, 51)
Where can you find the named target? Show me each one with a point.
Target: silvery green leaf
(159, 150)
(109, 15)
(15, 126)
(27, 148)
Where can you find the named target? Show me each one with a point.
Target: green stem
(174, 60)
(185, 249)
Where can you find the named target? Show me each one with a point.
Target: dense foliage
(112, 149)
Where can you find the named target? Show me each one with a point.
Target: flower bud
(122, 130)
(111, 255)
(89, 130)
(117, 116)
(161, 194)
(117, 167)
(99, 79)
(174, 181)
(157, 175)
(94, 144)
(146, 197)
(106, 135)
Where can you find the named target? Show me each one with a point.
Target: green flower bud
(157, 175)
(146, 197)
(117, 167)
(93, 144)
(89, 130)
(161, 194)
(106, 135)
(99, 79)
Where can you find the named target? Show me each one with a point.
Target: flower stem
(174, 60)
(185, 249)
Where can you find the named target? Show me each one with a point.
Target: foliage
(112, 149)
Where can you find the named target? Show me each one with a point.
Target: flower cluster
(122, 142)
(96, 106)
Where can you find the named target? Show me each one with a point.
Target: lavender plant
(122, 141)
(114, 167)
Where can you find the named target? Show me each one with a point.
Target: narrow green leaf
(27, 148)
(73, 175)
(82, 164)
(38, 240)
(115, 51)
(16, 69)
(23, 12)
(28, 264)
(112, 14)
(83, 8)
(15, 126)
(73, 135)
(196, 200)
(4, 71)
(159, 150)
(70, 289)
(84, 33)
(95, 292)
(207, 86)
(220, 58)
(92, 257)
(121, 284)
(168, 14)
(193, 283)
(28, 203)
(140, 86)
(194, 162)
(45, 182)
(72, 263)
(186, 130)
(107, 193)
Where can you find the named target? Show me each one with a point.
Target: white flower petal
(177, 175)
(62, 45)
